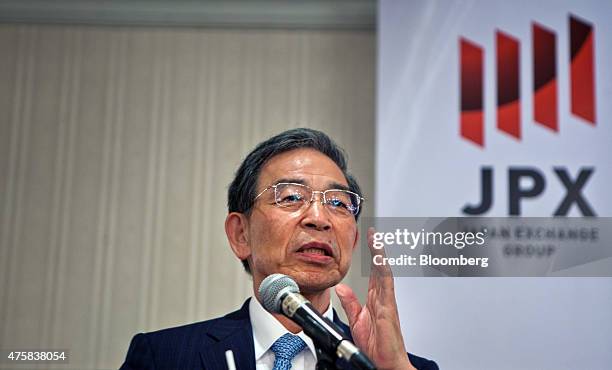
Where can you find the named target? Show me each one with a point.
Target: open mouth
(316, 249)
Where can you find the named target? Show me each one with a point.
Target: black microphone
(280, 294)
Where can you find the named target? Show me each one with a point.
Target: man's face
(313, 245)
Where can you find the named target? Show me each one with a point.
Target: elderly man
(293, 209)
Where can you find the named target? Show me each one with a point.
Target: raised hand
(375, 326)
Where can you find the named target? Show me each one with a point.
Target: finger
(377, 269)
(349, 301)
(381, 276)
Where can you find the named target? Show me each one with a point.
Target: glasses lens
(291, 195)
(343, 202)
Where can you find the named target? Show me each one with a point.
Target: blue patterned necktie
(285, 349)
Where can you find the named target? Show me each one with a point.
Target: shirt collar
(266, 329)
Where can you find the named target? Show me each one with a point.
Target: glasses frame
(324, 201)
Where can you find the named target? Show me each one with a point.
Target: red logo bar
(472, 118)
(545, 82)
(582, 69)
(508, 87)
(544, 77)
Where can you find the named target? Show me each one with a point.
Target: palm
(375, 326)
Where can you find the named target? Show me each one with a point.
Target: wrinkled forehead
(304, 166)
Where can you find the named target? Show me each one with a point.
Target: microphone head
(273, 288)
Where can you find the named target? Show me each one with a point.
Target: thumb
(349, 302)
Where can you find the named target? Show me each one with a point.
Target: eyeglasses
(294, 197)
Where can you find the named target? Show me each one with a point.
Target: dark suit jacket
(202, 345)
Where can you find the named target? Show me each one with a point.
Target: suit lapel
(231, 332)
(342, 325)
(234, 332)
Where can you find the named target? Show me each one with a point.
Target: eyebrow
(330, 185)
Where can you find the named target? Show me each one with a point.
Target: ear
(237, 231)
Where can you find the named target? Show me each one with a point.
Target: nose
(316, 216)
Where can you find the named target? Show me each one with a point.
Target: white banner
(497, 108)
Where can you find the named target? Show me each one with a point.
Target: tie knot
(287, 347)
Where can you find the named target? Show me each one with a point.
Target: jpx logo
(545, 110)
(545, 85)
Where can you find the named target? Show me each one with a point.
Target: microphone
(280, 294)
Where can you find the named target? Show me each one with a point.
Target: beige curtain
(116, 148)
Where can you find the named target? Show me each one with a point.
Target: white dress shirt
(266, 330)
